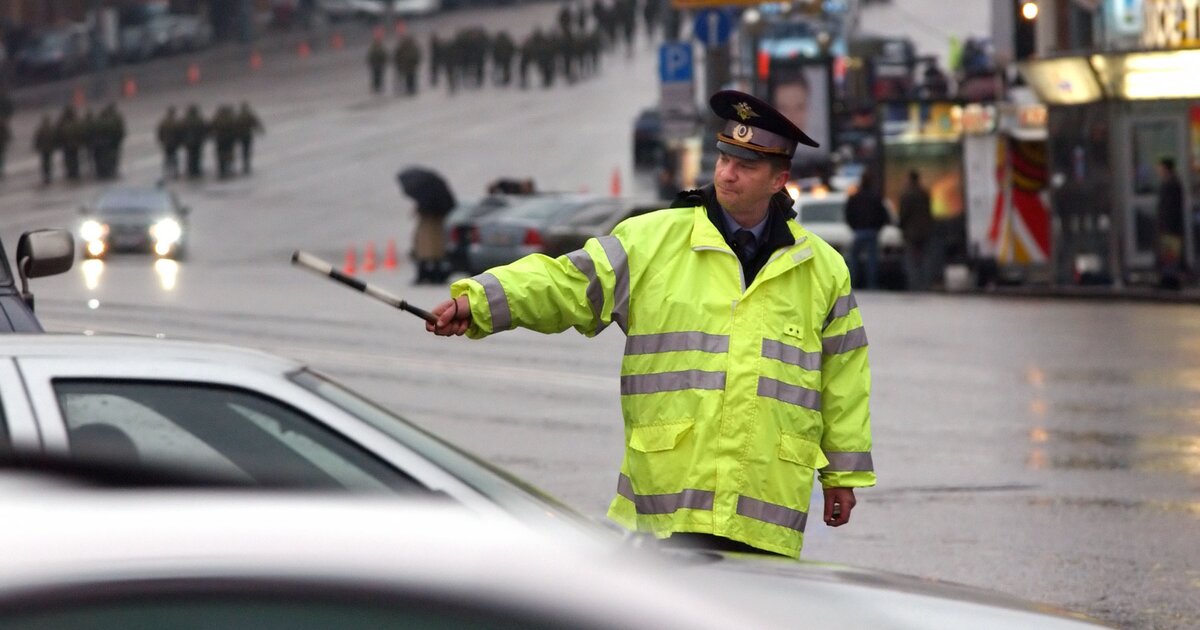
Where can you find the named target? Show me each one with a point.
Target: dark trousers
(710, 542)
(865, 245)
(247, 154)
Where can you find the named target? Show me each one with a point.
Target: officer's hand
(838, 503)
(453, 317)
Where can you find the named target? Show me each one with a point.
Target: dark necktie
(744, 245)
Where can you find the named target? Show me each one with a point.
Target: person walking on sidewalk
(866, 215)
(916, 224)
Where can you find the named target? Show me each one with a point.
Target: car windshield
(133, 202)
(822, 212)
(507, 491)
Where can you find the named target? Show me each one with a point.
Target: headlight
(92, 230)
(166, 231)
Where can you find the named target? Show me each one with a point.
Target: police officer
(376, 61)
(168, 134)
(247, 124)
(745, 360)
(45, 142)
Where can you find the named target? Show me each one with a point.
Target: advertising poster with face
(800, 90)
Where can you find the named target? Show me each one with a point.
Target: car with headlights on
(133, 219)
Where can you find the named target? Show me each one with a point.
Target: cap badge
(743, 111)
(743, 133)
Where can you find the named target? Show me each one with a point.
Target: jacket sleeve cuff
(858, 479)
(481, 315)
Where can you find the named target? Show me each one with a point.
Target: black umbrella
(428, 189)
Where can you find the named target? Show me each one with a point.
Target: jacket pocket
(800, 450)
(658, 437)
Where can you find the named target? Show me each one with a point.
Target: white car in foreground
(244, 416)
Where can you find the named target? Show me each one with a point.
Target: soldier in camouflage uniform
(109, 133)
(437, 60)
(5, 138)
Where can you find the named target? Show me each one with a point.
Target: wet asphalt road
(1049, 449)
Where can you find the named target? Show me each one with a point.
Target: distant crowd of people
(230, 129)
(91, 142)
(570, 50)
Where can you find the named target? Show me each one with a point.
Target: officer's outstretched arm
(586, 289)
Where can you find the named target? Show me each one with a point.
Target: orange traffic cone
(369, 258)
(193, 73)
(348, 267)
(377, 33)
(255, 60)
(400, 27)
(303, 50)
(128, 87)
(337, 41)
(389, 258)
(616, 182)
(78, 99)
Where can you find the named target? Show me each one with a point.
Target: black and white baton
(325, 269)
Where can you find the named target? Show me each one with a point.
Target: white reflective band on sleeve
(595, 293)
(841, 308)
(848, 461)
(671, 382)
(791, 394)
(620, 264)
(676, 342)
(772, 513)
(689, 499)
(852, 340)
(791, 355)
(497, 301)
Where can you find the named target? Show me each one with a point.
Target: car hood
(848, 597)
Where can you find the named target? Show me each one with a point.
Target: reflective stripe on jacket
(732, 396)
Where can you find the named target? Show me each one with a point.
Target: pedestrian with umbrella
(434, 201)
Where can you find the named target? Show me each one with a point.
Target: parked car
(823, 212)
(460, 227)
(55, 53)
(594, 221)
(40, 253)
(648, 145)
(135, 219)
(519, 230)
(402, 8)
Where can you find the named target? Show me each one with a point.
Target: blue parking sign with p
(675, 62)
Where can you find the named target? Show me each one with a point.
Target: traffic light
(1025, 14)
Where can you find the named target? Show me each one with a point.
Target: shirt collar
(732, 225)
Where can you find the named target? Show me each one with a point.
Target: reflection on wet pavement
(1100, 450)
(1182, 507)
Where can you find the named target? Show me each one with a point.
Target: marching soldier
(5, 138)
(45, 142)
(169, 133)
(89, 142)
(224, 129)
(247, 125)
(503, 50)
(407, 59)
(376, 60)
(194, 131)
(109, 134)
(70, 139)
(437, 59)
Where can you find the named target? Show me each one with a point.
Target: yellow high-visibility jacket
(732, 395)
